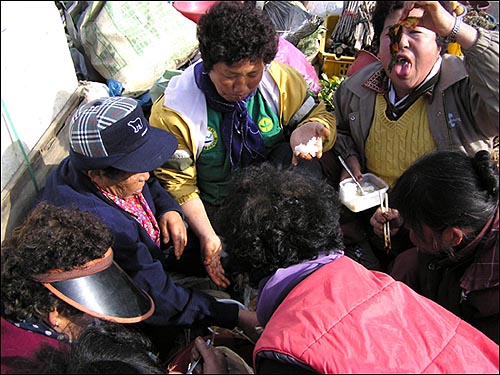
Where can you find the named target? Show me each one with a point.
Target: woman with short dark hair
(236, 107)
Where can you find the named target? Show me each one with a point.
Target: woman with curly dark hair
(236, 107)
(321, 311)
(58, 275)
(448, 204)
(287, 223)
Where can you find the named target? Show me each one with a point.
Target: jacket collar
(483, 272)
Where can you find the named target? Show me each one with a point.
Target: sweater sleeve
(293, 92)
(481, 63)
(174, 305)
(178, 175)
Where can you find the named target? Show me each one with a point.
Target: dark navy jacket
(135, 251)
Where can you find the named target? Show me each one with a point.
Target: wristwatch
(452, 38)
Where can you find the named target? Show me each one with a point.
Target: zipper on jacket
(450, 122)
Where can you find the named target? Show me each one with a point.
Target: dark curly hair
(447, 189)
(275, 218)
(231, 32)
(50, 238)
(381, 11)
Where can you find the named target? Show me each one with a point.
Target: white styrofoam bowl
(372, 184)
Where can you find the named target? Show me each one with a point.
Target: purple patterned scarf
(240, 135)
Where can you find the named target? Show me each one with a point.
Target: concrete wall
(38, 77)
(39, 91)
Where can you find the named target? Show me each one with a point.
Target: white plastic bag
(325, 8)
(136, 42)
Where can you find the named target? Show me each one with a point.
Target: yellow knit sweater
(392, 146)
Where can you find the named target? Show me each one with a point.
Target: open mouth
(395, 33)
(402, 67)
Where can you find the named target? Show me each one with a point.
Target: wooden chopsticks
(384, 206)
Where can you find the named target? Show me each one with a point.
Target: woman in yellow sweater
(429, 100)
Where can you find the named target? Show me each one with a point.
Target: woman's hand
(379, 218)
(214, 362)
(212, 250)
(438, 16)
(353, 164)
(303, 134)
(172, 227)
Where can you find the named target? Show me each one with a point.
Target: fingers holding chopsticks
(206, 359)
(380, 217)
(384, 207)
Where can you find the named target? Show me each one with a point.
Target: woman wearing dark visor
(58, 276)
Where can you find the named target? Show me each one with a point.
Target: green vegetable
(328, 87)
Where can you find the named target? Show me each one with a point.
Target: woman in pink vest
(321, 311)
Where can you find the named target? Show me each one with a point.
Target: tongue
(403, 69)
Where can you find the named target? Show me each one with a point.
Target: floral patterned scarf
(140, 210)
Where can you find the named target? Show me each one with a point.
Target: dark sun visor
(101, 289)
